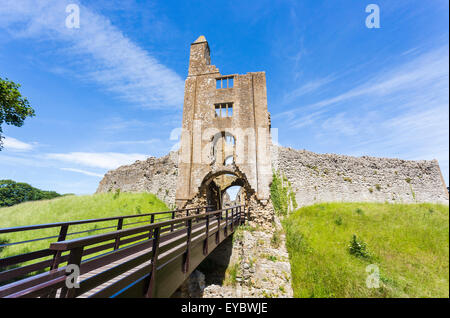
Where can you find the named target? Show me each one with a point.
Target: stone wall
(314, 178)
(154, 175)
(330, 177)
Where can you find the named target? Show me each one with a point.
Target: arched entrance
(225, 188)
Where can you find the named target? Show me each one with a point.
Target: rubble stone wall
(330, 177)
(154, 175)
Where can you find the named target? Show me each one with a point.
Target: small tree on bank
(14, 108)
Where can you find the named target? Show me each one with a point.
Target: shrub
(359, 211)
(358, 248)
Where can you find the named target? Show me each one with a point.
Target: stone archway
(215, 184)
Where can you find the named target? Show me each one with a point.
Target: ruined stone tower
(225, 136)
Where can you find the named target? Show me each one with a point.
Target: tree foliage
(14, 108)
(12, 192)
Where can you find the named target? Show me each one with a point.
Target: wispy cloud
(307, 88)
(105, 160)
(13, 144)
(429, 69)
(88, 173)
(99, 50)
(136, 142)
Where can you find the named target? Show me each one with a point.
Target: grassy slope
(71, 208)
(409, 243)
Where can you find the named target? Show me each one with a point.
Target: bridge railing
(155, 245)
(46, 259)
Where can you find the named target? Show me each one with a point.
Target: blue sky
(111, 92)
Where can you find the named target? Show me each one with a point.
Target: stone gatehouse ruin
(225, 138)
(226, 141)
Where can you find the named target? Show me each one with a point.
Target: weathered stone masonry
(154, 175)
(314, 178)
(185, 177)
(330, 177)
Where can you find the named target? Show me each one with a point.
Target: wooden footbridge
(131, 260)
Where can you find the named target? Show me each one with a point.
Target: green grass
(70, 208)
(408, 242)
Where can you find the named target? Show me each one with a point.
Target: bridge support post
(152, 220)
(57, 255)
(205, 243)
(151, 291)
(119, 227)
(232, 220)
(173, 218)
(218, 228)
(187, 255)
(225, 231)
(74, 259)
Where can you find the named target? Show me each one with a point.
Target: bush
(358, 248)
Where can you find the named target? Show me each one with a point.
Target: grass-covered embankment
(408, 242)
(71, 208)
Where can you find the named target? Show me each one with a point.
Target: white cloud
(416, 76)
(105, 160)
(137, 142)
(97, 50)
(88, 173)
(13, 144)
(307, 88)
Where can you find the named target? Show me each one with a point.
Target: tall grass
(71, 208)
(408, 243)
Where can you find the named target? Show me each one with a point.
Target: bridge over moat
(152, 260)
